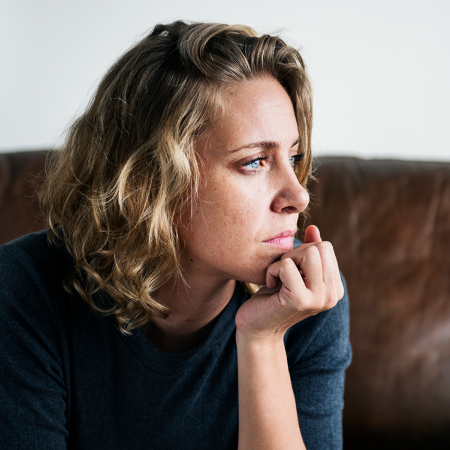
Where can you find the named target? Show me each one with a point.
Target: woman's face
(249, 193)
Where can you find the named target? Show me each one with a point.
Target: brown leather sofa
(389, 222)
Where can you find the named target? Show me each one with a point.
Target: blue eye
(295, 159)
(255, 163)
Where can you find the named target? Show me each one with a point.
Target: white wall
(380, 68)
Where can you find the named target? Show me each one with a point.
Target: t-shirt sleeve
(319, 351)
(32, 388)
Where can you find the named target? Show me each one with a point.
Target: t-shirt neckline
(164, 363)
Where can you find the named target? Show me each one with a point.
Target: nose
(290, 196)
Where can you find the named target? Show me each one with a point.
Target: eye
(295, 159)
(254, 164)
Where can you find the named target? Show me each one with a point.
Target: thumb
(312, 234)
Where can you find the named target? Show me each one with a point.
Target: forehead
(254, 111)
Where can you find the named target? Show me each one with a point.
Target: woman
(177, 192)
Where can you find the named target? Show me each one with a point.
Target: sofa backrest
(19, 209)
(389, 223)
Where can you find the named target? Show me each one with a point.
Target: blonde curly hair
(127, 169)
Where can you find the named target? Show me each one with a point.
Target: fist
(305, 282)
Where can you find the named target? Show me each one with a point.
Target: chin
(258, 276)
(255, 270)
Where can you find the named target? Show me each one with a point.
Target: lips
(282, 240)
(283, 234)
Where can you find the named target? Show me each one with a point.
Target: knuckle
(326, 248)
(327, 245)
(333, 300)
(312, 251)
(286, 263)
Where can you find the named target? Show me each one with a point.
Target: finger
(341, 290)
(339, 287)
(287, 272)
(311, 266)
(312, 234)
(297, 251)
(272, 275)
(324, 247)
(331, 275)
(308, 262)
(329, 265)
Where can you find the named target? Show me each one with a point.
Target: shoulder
(29, 255)
(32, 374)
(27, 249)
(31, 274)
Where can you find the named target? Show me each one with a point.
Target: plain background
(380, 69)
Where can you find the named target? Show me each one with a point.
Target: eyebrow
(267, 145)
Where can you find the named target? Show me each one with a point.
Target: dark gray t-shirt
(70, 379)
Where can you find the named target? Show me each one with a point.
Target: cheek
(236, 204)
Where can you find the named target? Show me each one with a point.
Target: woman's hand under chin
(305, 282)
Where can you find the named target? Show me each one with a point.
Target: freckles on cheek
(238, 201)
(244, 213)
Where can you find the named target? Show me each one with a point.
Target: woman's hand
(303, 283)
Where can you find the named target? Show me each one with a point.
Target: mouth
(282, 241)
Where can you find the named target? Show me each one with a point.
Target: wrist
(259, 341)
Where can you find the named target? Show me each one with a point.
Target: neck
(195, 306)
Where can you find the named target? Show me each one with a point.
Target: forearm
(267, 410)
